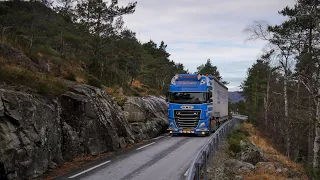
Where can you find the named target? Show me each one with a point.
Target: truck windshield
(187, 97)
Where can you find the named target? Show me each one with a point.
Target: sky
(196, 30)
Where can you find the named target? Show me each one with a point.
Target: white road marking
(158, 137)
(186, 174)
(145, 146)
(89, 169)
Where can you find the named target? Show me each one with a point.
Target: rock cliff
(38, 133)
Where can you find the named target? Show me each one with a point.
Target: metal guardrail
(209, 150)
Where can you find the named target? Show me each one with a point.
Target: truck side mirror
(210, 100)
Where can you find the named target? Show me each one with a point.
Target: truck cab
(191, 101)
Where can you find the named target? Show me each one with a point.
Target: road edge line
(145, 146)
(89, 169)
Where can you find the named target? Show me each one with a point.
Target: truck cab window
(188, 97)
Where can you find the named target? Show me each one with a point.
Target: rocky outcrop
(92, 122)
(250, 153)
(144, 109)
(30, 134)
(37, 133)
(146, 115)
(235, 165)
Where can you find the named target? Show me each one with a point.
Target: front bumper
(188, 131)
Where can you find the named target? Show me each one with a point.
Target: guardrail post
(218, 136)
(197, 171)
(205, 165)
(210, 152)
(214, 147)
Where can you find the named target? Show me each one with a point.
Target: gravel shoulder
(215, 170)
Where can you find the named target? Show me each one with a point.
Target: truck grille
(187, 118)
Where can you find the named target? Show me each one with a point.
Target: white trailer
(220, 100)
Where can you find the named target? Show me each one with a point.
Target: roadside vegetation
(80, 43)
(282, 87)
(99, 50)
(247, 154)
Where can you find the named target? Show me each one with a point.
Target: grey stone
(250, 153)
(279, 170)
(134, 109)
(1, 107)
(30, 137)
(238, 177)
(238, 166)
(122, 143)
(144, 109)
(266, 167)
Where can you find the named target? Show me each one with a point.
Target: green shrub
(131, 91)
(48, 50)
(93, 81)
(120, 100)
(56, 60)
(51, 87)
(135, 92)
(154, 92)
(71, 77)
(234, 139)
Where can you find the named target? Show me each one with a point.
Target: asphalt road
(162, 158)
(165, 158)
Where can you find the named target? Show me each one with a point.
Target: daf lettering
(186, 107)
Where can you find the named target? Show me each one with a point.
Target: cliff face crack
(156, 158)
(14, 120)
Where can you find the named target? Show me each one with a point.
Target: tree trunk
(266, 104)
(310, 142)
(286, 115)
(316, 144)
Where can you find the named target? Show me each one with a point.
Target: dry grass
(41, 83)
(2, 60)
(264, 176)
(81, 79)
(109, 90)
(274, 156)
(135, 83)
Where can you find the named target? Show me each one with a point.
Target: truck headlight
(202, 124)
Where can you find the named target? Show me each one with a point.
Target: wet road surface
(164, 158)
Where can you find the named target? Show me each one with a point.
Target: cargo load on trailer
(198, 104)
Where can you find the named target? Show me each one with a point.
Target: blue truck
(198, 104)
